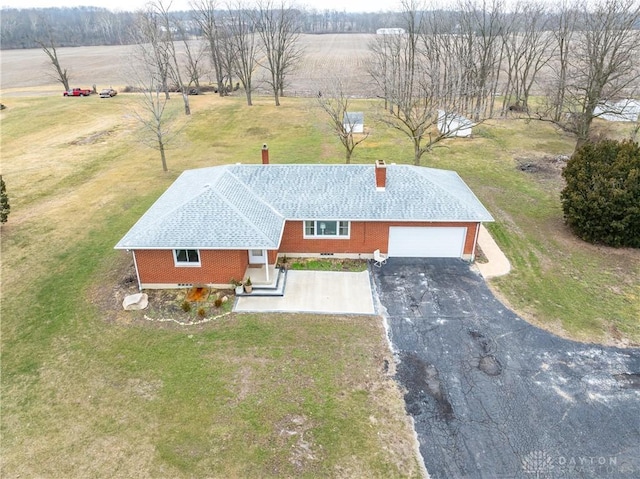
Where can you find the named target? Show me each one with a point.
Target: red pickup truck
(77, 92)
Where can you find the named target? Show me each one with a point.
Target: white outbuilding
(353, 122)
(453, 124)
(622, 110)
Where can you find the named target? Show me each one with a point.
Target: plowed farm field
(325, 59)
(328, 58)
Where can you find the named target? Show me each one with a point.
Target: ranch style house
(218, 224)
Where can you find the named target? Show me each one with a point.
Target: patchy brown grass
(89, 390)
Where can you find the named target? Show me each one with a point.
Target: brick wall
(220, 266)
(365, 237)
(217, 267)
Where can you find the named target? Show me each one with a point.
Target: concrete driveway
(493, 396)
(317, 292)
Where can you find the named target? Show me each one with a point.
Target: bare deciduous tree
(426, 73)
(48, 46)
(194, 58)
(151, 107)
(167, 29)
(245, 46)
(206, 15)
(601, 64)
(481, 26)
(528, 49)
(563, 30)
(279, 29)
(384, 51)
(151, 48)
(335, 103)
(411, 102)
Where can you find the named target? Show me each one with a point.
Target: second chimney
(265, 154)
(381, 175)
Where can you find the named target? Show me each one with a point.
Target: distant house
(622, 110)
(390, 31)
(216, 224)
(353, 122)
(453, 124)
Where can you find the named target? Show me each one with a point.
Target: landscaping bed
(327, 264)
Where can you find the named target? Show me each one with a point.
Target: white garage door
(426, 242)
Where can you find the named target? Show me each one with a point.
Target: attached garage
(426, 242)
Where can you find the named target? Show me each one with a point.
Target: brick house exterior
(213, 223)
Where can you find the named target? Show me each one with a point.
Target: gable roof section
(245, 206)
(203, 210)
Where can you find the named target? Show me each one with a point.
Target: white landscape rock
(136, 301)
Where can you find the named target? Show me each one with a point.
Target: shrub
(186, 306)
(4, 202)
(601, 199)
(218, 302)
(202, 312)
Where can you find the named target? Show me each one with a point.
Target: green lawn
(87, 392)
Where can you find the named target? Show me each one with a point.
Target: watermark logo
(538, 463)
(542, 465)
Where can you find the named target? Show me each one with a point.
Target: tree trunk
(185, 98)
(417, 152)
(162, 155)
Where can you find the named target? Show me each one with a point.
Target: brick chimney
(265, 154)
(381, 175)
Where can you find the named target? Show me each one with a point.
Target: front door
(257, 256)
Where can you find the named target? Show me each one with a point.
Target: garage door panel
(426, 242)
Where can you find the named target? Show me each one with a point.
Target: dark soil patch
(91, 139)
(480, 256)
(546, 166)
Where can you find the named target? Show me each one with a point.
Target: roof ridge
(269, 205)
(241, 213)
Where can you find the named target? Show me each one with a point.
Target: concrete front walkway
(498, 264)
(317, 292)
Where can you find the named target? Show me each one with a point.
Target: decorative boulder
(135, 301)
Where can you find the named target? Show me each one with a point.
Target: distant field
(25, 70)
(326, 57)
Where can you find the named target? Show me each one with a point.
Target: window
(326, 229)
(186, 257)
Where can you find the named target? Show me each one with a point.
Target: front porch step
(273, 289)
(258, 275)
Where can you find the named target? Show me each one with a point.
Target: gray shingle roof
(245, 206)
(353, 118)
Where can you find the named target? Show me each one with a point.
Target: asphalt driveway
(493, 396)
